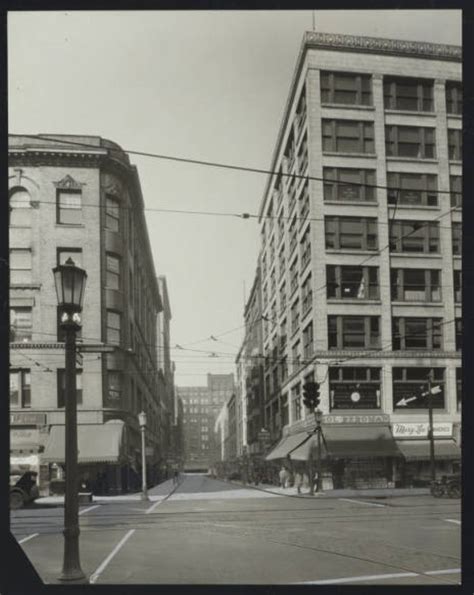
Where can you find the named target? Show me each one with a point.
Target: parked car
(448, 485)
(23, 488)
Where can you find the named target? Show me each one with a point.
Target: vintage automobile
(448, 485)
(23, 488)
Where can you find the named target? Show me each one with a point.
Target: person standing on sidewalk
(298, 482)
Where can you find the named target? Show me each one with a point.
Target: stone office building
(79, 197)
(361, 257)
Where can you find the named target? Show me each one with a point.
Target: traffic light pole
(319, 483)
(431, 430)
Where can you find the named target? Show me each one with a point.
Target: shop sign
(24, 437)
(27, 419)
(357, 419)
(420, 430)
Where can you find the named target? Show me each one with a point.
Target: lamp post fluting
(70, 284)
(142, 423)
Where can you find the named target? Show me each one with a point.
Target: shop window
(410, 141)
(415, 285)
(308, 344)
(455, 145)
(354, 388)
(348, 136)
(20, 389)
(351, 233)
(353, 332)
(413, 382)
(344, 184)
(458, 323)
(346, 88)
(457, 286)
(20, 208)
(20, 266)
(352, 282)
(412, 189)
(409, 94)
(455, 185)
(453, 97)
(68, 206)
(113, 327)
(414, 236)
(457, 238)
(62, 387)
(112, 214)
(417, 333)
(21, 324)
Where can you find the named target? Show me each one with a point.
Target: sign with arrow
(435, 390)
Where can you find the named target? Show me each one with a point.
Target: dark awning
(419, 450)
(359, 441)
(97, 443)
(286, 445)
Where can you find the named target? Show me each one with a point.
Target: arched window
(20, 207)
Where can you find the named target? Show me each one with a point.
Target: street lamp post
(142, 423)
(318, 414)
(431, 429)
(70, 283)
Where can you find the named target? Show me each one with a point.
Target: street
(211, 531)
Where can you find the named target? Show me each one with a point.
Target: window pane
(14, 389)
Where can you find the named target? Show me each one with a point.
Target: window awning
(96, 443)
(359, 441)
(286, 445)
(419, 450)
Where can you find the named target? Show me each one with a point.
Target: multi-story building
(79, 197)
(201, 406)
(361, 255)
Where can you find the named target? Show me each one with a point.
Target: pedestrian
(315, 481)
(282, 475)
(176, 477)
(298, 481)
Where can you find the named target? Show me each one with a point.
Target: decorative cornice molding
(384, 46)
(69, 183)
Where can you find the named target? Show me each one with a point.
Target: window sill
(457, 116)
(416, 254)
(364, 203)
(409, 112)
(417, 303)
(341, 154)
(69, 225)
(411, 159)
(406, 206)
(456, 161)
(357, 106)
(25, 285)
(353, 301)
(352, 251)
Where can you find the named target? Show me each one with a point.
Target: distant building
(201, 406)
(79, 197)
(361, 257)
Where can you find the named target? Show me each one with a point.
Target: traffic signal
(311, 395)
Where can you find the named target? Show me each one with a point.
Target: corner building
(361, 258)
(79, 197)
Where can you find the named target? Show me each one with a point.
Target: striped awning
(419, 450)
(96, 443)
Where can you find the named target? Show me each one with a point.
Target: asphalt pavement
(207, 531)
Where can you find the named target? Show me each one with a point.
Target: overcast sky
(205, 85)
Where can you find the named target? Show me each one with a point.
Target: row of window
(400, 93)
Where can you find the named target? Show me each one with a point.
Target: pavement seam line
(88, 509)
(95, 575)
(28, 538)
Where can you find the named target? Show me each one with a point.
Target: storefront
(412, 440)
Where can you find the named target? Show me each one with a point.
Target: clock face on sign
(355, 397)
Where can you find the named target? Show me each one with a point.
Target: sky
(207, 85)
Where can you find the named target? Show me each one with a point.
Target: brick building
(79, 197)
(361, 256)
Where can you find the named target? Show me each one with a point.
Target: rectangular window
(21, 324)
(20, 389)
(293, 233)
(345, 184)
(62, 387)
(457, 238)
(458, 334)
(353, 233)
(114, 388)
(295, 317)
(408, 94)
(304, 203)
(346, 88)
(412, 189)
(112, 278)
(295, 356)
(112, 214)
(353, 332)
(455, 145)
(308, 346)
(410, 388)
(69, 206)
(414, 236)
(417, 333)
(410, 141)
(352, 282)
(296, 401)
(453, 97)
(307, 295)
(282, 297)
(293, 276)
(354, 388)
(455, 186)
(415, 285)
(305, 248)
(64, 254)
(457, 286)
(459, 388)
(348, 136)
(20, 266)
(282, 261)
(303, 155)
(113, 327)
